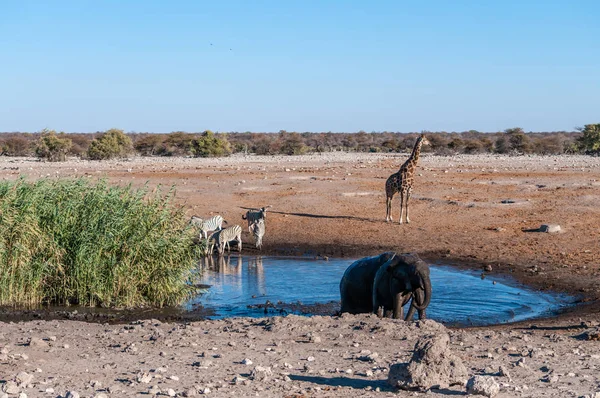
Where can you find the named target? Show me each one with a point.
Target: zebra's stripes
(210, 224)
(224, 236)
(254, 215)
(258, 231)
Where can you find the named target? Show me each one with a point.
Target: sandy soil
(470, 211)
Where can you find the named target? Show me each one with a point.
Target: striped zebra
(254, 215)
(224, 236)
(210, 224)
(258, 231)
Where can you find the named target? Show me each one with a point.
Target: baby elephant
(383, 284)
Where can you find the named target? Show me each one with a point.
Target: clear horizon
(340, 66)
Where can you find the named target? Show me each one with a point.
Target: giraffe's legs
(401, 206)
(388, 208)
(407, 197)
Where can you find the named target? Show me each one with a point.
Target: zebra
(254, 215)
(258, 231)
(224, 236)
(210, 224)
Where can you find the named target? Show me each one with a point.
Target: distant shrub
(112, 144)
(210, 144)
(150, 145)
(53, 147)
(17, 145)
(292, 144)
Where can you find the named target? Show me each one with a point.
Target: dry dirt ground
(470, 211)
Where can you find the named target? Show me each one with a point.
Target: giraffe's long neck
(414, 156)
(416, 152)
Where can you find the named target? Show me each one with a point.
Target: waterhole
(238, 285)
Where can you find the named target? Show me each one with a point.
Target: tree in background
(53, 147)
(589, 142)
(292, 144)
(16, 145)
(114, 143)
(149, 144)
(519, 142)
(210, 145)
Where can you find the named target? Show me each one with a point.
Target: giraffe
(402, 181)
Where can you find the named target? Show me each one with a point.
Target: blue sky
(161, 66)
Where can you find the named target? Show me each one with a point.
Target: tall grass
(76, 242)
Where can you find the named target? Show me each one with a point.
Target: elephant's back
(356, 285)
(366, 268)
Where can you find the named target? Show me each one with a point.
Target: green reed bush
(75, 242)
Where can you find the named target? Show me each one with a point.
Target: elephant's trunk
(426, 286)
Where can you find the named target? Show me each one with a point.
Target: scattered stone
(238, 380)
(246, 361)
(260, 373)
(313, 338)
(72, 394)
(171, 392)
(521, 363)
(551, 378)
(10, 387)
(368, 356)
(101, 395)
(202, 364)
(190, 392)
(144, 378)
(23, 379)
(36, 342)
(432, 365)
(503, 371)
(592, 334)
(483, 385)
(550, 228)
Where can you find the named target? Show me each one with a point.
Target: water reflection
(458, 297)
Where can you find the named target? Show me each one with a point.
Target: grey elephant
(386, 282)
(356, 286)
(401, 278)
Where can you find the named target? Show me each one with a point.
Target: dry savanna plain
(471, 211)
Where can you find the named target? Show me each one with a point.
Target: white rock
(550, 228)
(144, 378)
(260, 373)
(72, 394)
(23, 379)
(483, 385)
(10, 387)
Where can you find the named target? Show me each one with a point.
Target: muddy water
(255, 286)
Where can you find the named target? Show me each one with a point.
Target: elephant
(402, 277)
(356, 286)
(386, 282)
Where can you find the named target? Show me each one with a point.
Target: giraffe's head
(424, 140)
